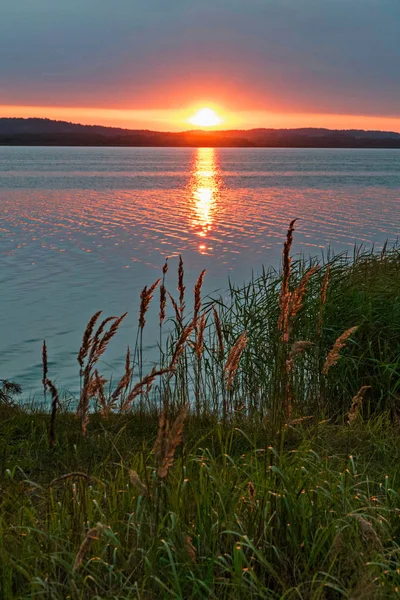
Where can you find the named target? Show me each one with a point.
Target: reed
(167, 441)
(356, 404)
(45, 369)
(334, 353)
(220, 337)
(55, 402)
(198, 350)
(181, 344)
(145, 382)
(125, 380)
(284, 296)
(87, 338)
(181, 288)
(197, 297)
(92, 348)
(322, 298)
(233, 360)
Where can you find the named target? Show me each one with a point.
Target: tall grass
(258, 459)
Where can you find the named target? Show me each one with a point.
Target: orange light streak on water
(204, 186)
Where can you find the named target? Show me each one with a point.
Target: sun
(205, 117)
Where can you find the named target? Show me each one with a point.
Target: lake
(84, 229)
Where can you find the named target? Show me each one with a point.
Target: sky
(152, 63)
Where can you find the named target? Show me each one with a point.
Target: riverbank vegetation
(258, 459)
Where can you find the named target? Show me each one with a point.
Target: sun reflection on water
(204, 188)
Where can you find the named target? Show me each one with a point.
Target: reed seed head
(333, 355)
(218, 330)
(180, 345)
(168, 439)
(199, 343)
(356, 404)
(176, 309)
(86, 340)
(163, 303)
(233, 360)
(197, 296)
(145, 298)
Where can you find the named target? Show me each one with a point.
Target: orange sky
(178, 120)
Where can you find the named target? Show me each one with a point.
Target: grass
(235, 518)
(281, 480)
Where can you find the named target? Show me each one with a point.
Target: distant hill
(45, 132)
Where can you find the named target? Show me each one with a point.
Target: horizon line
(211, 130)
(177, 120)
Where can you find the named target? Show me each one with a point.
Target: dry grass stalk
(98, 390)
(93, 346)
(190, 549)
(100, 344)
(92, 534)
(284, 295)
(322, 297)
(180, 345)
(145, 298)
(165, 268)
(233, 360)
(45, 368)
(86, 340)
(137, 483)
(93, 387)
(181, 287)
(163, 303)
(54, 405)
(176, 309)
(220, 336)
(125, 379)
(356, 404)
(333, 355)
(168, 439)
(145, 382)
(199, 343)
(296, 301)
(197, 297)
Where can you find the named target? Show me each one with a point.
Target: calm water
(83, 229)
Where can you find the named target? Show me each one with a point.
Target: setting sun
(205, 117)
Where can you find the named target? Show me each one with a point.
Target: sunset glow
(205, 117)
(178, 119)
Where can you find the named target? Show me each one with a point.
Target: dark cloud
(304, 55)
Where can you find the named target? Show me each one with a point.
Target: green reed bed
(258, 459)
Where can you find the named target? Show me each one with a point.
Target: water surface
(83, 229)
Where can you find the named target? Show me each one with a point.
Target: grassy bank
(317, 517)
(258, 459)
